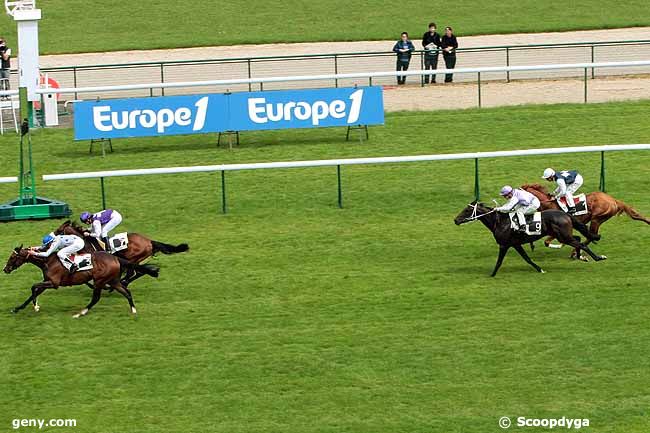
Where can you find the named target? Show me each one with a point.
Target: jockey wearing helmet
(519, 201)
(63, 245)
(102, 223)
(568, 182)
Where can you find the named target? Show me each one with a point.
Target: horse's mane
(536, 187)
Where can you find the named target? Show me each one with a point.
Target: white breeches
(65, 252)
(523, 210)
(115, 220)
(571, 189)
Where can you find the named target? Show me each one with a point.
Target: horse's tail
(630, 211)
(151, 270)
(584, 230)
(160, 247)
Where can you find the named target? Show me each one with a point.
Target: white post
(28, 68)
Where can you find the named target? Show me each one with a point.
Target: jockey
(568, 182)
(63, 245)
(102, 223)
(519, 201)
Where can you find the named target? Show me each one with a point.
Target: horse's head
(67, 228)
(17, 258)
(539, 191)
(471, 213)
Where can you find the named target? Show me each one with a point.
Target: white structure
(27, 16)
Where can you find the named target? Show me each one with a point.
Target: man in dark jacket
(5, 64)
(431, 45)
(449, 45)
(403, 48)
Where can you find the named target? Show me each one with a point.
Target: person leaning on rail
(5, 65)
(404, 49)
(431, 45)
(449, 44)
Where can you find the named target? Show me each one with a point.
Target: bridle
(475, 215)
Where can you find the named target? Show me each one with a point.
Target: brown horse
(106, 271)
(140, 248)
(601, 207)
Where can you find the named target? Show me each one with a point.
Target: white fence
(8, 179)
(223, 168)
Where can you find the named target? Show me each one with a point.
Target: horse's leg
(37, 289)
(573, 241)
(502, 253)
(97, 293)
(128, 280)
(523, 254)
(126, 293)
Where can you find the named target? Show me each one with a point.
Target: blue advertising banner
(198, 114)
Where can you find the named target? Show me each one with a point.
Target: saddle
(580, 204)
(118, 243)
(83, 261)
(533, 223)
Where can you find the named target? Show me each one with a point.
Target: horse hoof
(542, 271)
(76, 316)
(37, 308)
(603, 257)
(584, 258)
(14, 310)
(555, 246)
(133, 310)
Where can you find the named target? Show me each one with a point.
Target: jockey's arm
(53, 247)
(561, 188)
(96, 229)
(508, 206)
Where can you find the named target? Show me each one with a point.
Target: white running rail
(8, 179)
(349, 161)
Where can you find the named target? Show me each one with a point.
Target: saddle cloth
(83, 262)
(118, 242)
(580, 202)
(533, 223)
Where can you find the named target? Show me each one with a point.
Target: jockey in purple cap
(101, 223)
(519, 201)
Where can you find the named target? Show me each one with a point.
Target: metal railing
(369, 78)
(351, 62)
(338, 163)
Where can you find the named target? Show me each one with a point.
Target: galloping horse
(554, 223)
(139, 249)
(601, 208)
(107, 270)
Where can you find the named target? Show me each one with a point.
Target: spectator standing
(404, 49)
(5, 64)
(431, 44)
(449, 45)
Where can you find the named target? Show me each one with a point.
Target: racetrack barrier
(8, 179)
(223, 168)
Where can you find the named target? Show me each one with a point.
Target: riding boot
(107, 247)
(73, 268)
(522, 221)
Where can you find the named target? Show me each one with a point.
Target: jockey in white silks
(63, 245)
(568, 182)
(102, 223)
(519, 201)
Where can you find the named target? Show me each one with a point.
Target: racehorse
(554, 223)
(601, 208)
(139, 249)
(106, 271)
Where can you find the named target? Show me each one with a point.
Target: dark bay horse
(107, 270)
(554, 223)
(601, 208)
(140, 248)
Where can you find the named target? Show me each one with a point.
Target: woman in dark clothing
(431, 45)
(403, 48)
(449, 44)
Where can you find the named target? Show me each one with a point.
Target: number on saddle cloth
(533, 223)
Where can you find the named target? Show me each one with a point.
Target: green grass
(290, 315)
(77, 26)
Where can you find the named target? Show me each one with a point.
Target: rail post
(74, 79)
(507, 64)
(477, 186)
(422, 68)
(585, 85)
(593, 71)
(250, 75)
(479, 90)
(602, 172)
(336, 70)
(162, 77)
(340, 190)
(224, 209)
(101, 183)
